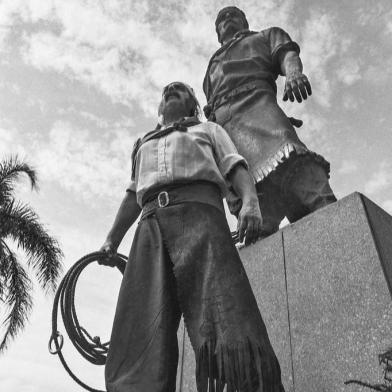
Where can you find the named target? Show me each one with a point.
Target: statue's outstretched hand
(249, 222)
(111, 252)
(297, 86)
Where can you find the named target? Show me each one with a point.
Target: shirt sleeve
(279, 40)
(226, 154)
(131, 187)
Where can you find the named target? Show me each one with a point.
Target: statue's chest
(250, 54)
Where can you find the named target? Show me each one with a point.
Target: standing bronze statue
(240, 87)
(183, 260)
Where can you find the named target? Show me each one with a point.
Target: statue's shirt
(248, 57)
(241, 91)
(202, 152)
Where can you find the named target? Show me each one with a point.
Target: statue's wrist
(112, 243)
(250, 200)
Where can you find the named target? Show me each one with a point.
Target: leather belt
(222, 99)
(199, 192)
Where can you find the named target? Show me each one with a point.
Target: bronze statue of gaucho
(240, 87)
(183, 260)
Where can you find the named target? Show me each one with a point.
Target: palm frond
(10, 171)
(18, 295)
(4, 270)
(21, 223)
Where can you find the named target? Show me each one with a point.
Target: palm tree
(20, 225)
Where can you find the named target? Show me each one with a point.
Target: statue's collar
(181, 125)
(236, 38)
(184, 121)
(241, 33)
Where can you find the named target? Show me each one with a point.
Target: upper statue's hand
(111, 252)
(249, 222)
(297, 86)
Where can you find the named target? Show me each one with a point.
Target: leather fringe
(282, 155)
(241, 367)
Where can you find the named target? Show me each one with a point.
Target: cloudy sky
(81, 79)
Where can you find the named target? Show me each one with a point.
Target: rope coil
(91, 348)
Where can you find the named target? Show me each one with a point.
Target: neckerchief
(181, 125)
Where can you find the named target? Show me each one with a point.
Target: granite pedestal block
(324, 289)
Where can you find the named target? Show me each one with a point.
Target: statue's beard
(174, 110)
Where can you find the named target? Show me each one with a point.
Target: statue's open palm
(297, 87)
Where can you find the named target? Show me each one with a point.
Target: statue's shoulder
(204, 126)
(271, 30)
(213, 127)
(209, 126)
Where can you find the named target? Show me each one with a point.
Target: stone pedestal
(324, 289)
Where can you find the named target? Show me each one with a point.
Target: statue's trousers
(183, 261)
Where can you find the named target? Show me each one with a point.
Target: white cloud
(267, 13)
(375, 19)
(84, 164)
(349, 72)
(125, 58)
(319, 47)
(380, 72)
(12, 11)
(387, 206)
(128, 54)
(315, 131)
(8, 147)
(389, 27)
(348, 167)
(377, 13)
(350, 102)
(380, 180)
(6, 135)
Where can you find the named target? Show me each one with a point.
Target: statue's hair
(195, 111)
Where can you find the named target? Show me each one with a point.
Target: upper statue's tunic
(241, 91)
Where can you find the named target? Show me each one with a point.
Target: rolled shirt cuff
(131, 187)
(286, 47)
(227, 164)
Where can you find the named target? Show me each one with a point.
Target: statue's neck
(227, 39)
(234, 35)
(172, 117)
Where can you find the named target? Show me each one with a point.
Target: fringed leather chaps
(183, 261)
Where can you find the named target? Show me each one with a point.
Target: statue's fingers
(108, 261)
(258, 230)
(250, 232)
(302, 89)
(289, 92)
(105, 259)
(242, 224)
(307, 85)
(296, 91)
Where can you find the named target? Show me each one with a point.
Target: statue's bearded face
(176, 97)
(229, 23)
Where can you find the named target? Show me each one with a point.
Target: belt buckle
(163, 199)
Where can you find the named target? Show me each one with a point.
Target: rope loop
(59, 345)
(91, 348)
